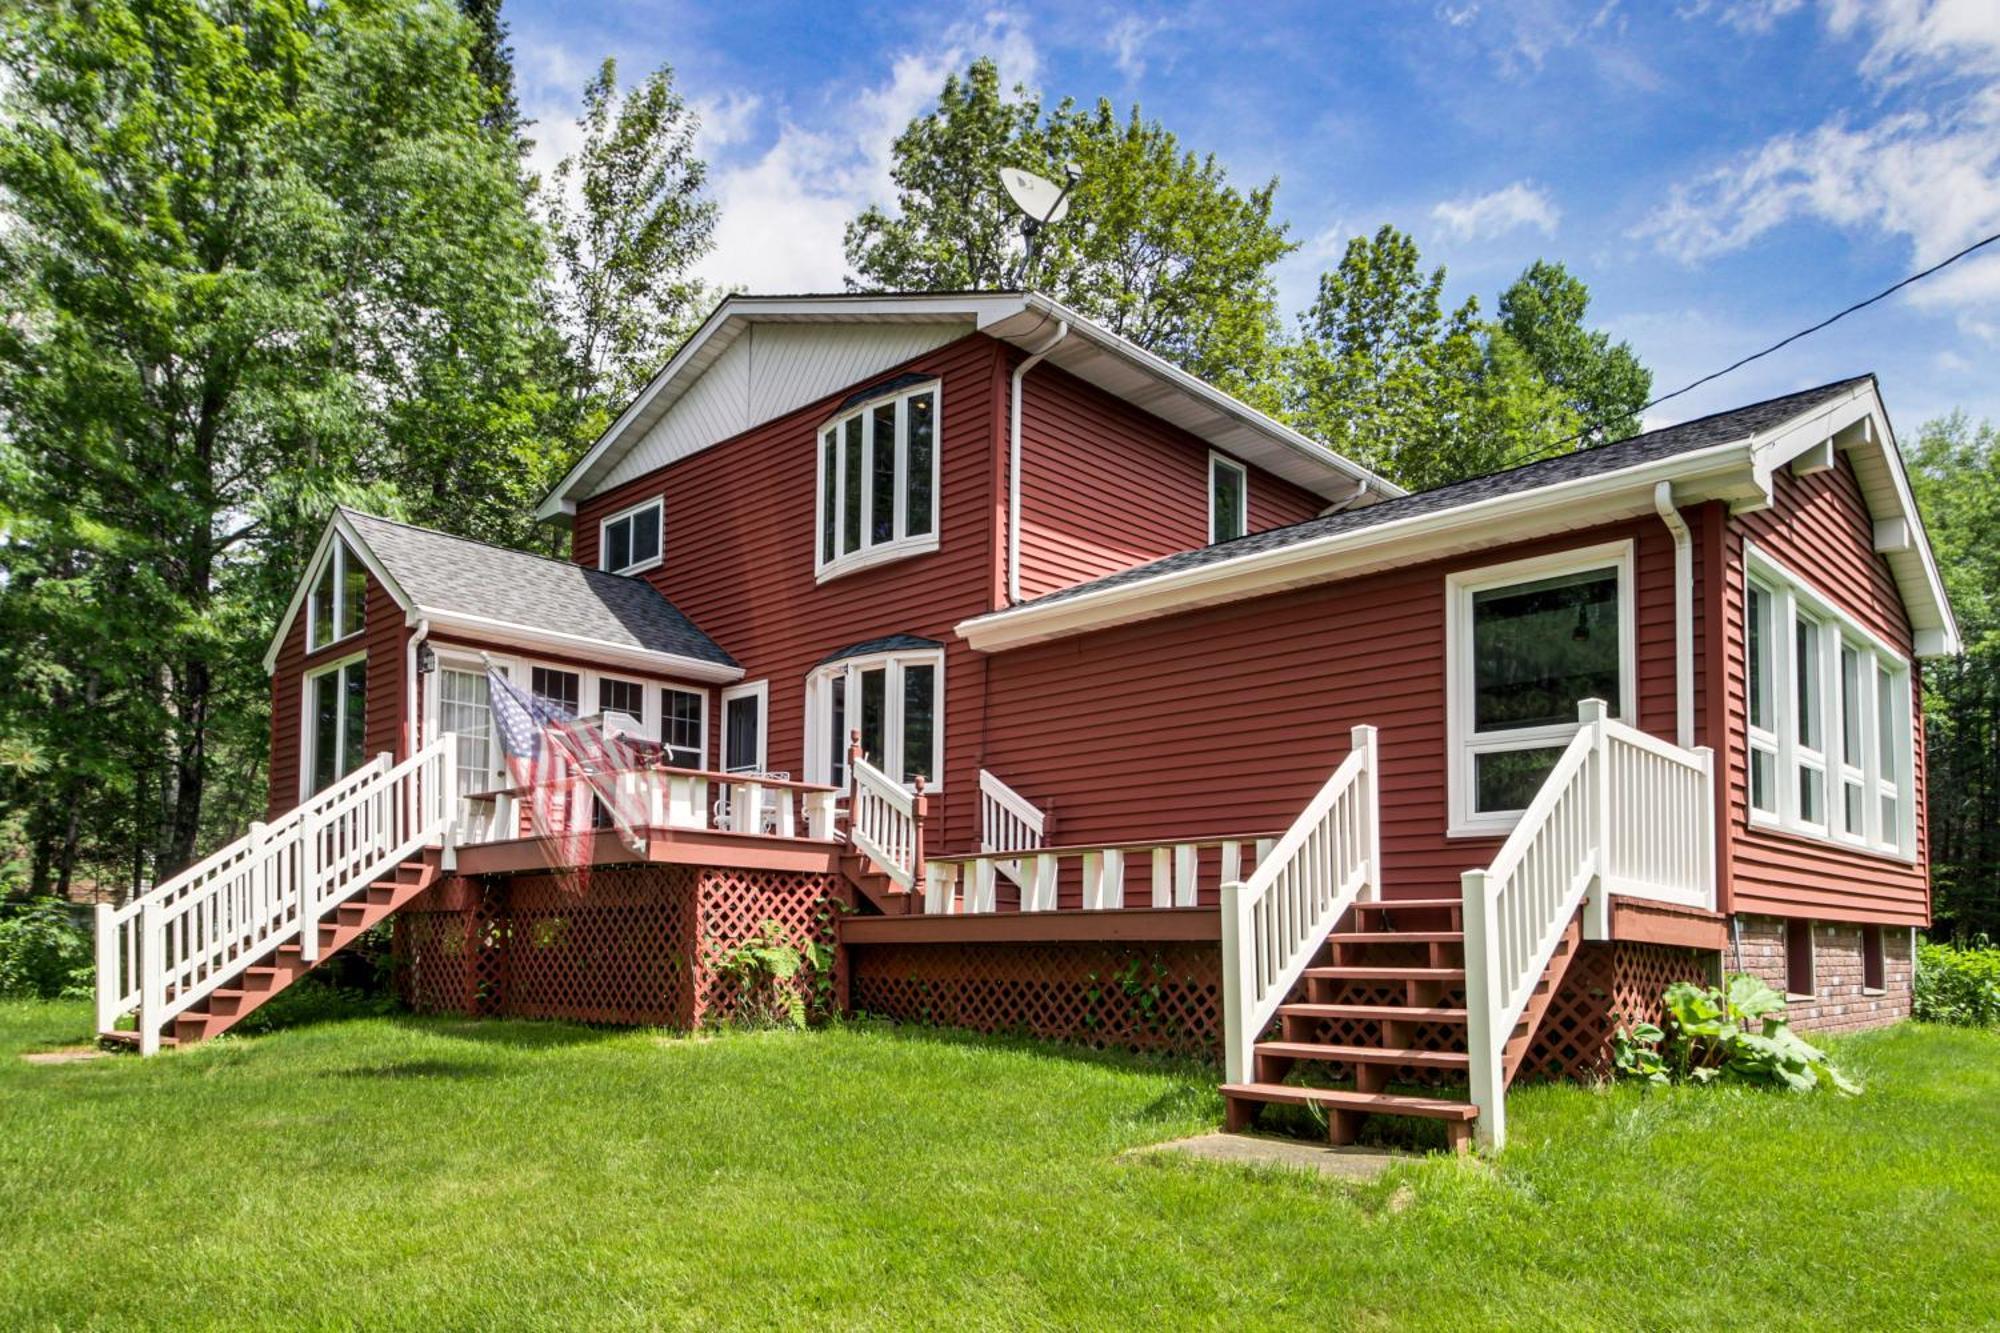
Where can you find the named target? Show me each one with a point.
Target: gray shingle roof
(1688, 436)
(441, 572)
(892, 643)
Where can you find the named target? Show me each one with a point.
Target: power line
(1550, 451)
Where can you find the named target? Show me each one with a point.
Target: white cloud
(784, 209)
(1758, 16)
(1478, 217)
(1925, 172)
(1127, 43)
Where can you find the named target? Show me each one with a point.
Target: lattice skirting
(1165, 997)
(632, 945)
(1609, 984)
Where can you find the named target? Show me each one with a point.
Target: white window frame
(337, 556)
(448, 659)
(520, 669)
(1463, 743)
(1880, 662)
(604, 530)
(1217, 461)
(1763, 740)
(761, 689)
(900, 545)
(845, 675)
(308, 756)
(660, 730)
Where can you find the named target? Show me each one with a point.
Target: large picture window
(1527, 642)
(1831, 753)
(336, 708)
(896, 702)
(337, 606)
(877, 486)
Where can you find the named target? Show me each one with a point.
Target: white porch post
(152, 976)
(1597, 904)
(1236, 998)
(106, 946)
(1487, 1080)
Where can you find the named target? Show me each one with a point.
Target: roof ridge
(491, 546)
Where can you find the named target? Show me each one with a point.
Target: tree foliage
(1158, 245)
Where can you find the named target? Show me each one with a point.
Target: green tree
(1158, 245)
(629, 223)
(493, 62)
(256, 254)
(1955, 473)
(1600, 384)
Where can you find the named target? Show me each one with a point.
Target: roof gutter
(496, 632)
(1014, 462)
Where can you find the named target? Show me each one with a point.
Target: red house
(1059, 691)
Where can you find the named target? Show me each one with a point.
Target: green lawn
(385, 1172)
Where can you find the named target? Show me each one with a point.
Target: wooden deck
(671, 846)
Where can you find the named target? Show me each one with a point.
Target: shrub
(1960, 986)
(44, 954)
(1709, 1035)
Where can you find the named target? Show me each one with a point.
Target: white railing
(168, 949)
(1621, 812)
(885, 822)
(1274, 922)
(672, 798)
(966, 885)
(1008, 822)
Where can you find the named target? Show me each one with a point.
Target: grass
(392, 1172)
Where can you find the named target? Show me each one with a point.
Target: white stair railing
(168, 949)
(1175, 872)
(885, 821)
(1008, 822)
(1621, 812)
(1274, 922)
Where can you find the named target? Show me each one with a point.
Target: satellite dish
(1042, 200)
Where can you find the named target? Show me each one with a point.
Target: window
(1228, 499)
(465, 710)
(1527, 642)
(684, 727)
(622, 696)
(743, 722)
(1800, 983)
(629, 541)
(552, 686)
(895, 700)
(336, 708)
(1840, 732)
(339, 600)
(1874, 972)
(877, 493)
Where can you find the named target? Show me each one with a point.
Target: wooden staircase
(1386, 1006)
(222, 1009)
(873, 884)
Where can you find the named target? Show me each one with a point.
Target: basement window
(878, 481)
(1829, 728)
(1874, 966)
(1526, 643)
(1800, 984)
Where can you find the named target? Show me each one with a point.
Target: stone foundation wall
(1840, 1002)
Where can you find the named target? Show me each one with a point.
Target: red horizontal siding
(1227, 719)
(1820, 529)
(1105, 486)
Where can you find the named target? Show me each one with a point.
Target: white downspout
(416, 729)
(1663, 501)
(1347, 501)
(1014, 463)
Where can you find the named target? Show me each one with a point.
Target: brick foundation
(1840, 1003)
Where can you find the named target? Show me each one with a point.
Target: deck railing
(1008, 822)
(885, 822)
(172, 946)
(1274, 922)
(967, 884)
(1621, 812)
(672, 798)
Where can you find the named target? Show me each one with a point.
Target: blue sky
(1721, 172)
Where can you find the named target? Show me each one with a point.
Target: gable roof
(746, 392)
(1728, 455)
(515, 597)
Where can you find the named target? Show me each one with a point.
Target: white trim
(901, 543)
(761, 691)
(845, 675)
(1463, 744)
(1215, 460)
(611, 654)
(658, 502)
(308, 756)
(1792, 599)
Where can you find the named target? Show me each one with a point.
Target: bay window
(896, 702)
(877, 484)
(1832, 756)
(336, 723)
(1526, 642)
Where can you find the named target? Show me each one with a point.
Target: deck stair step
(1386, 973)
(1392, 1013)
(1398, 937)
(1390, 1103)
(1365, 1055)
(1381, 905)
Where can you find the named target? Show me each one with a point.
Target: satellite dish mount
(1042, 203)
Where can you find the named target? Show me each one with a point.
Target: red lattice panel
(1164, 999)
(1607, 985)
(621, 951)
(736, 905)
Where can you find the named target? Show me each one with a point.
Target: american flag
(561, 763)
